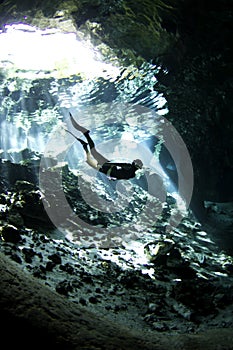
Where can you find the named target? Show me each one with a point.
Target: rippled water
(37, 90)
(103, 94)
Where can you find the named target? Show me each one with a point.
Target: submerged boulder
(10, 233)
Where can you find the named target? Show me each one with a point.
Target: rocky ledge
(168, 284)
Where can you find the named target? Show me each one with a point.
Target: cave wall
(198, 89)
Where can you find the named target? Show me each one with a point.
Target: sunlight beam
(27, 48)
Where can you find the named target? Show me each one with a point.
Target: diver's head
(138, 163)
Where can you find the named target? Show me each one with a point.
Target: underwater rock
(157, 251)
(12, 172)
(160, 326)
(15, 218)
(50, 266)
(229, 268)
(177, 264)
(181, 309)
(55, 258)
(197, 296)
(67, 268)
(93, 300)
(10, 233)
(22, 186)
(23, 157)
(27, 204)
(64, 287)
(3, 199)
(39, 272)
(29, 253)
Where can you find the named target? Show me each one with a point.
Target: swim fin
(77, 126)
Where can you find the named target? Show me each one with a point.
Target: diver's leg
(84, 144)
(100, 159)
(90, 161)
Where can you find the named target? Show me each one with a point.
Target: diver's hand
(111, 178)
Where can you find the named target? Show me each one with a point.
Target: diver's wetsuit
(119, 171)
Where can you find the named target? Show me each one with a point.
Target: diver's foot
(83, 143)
(77, 126)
